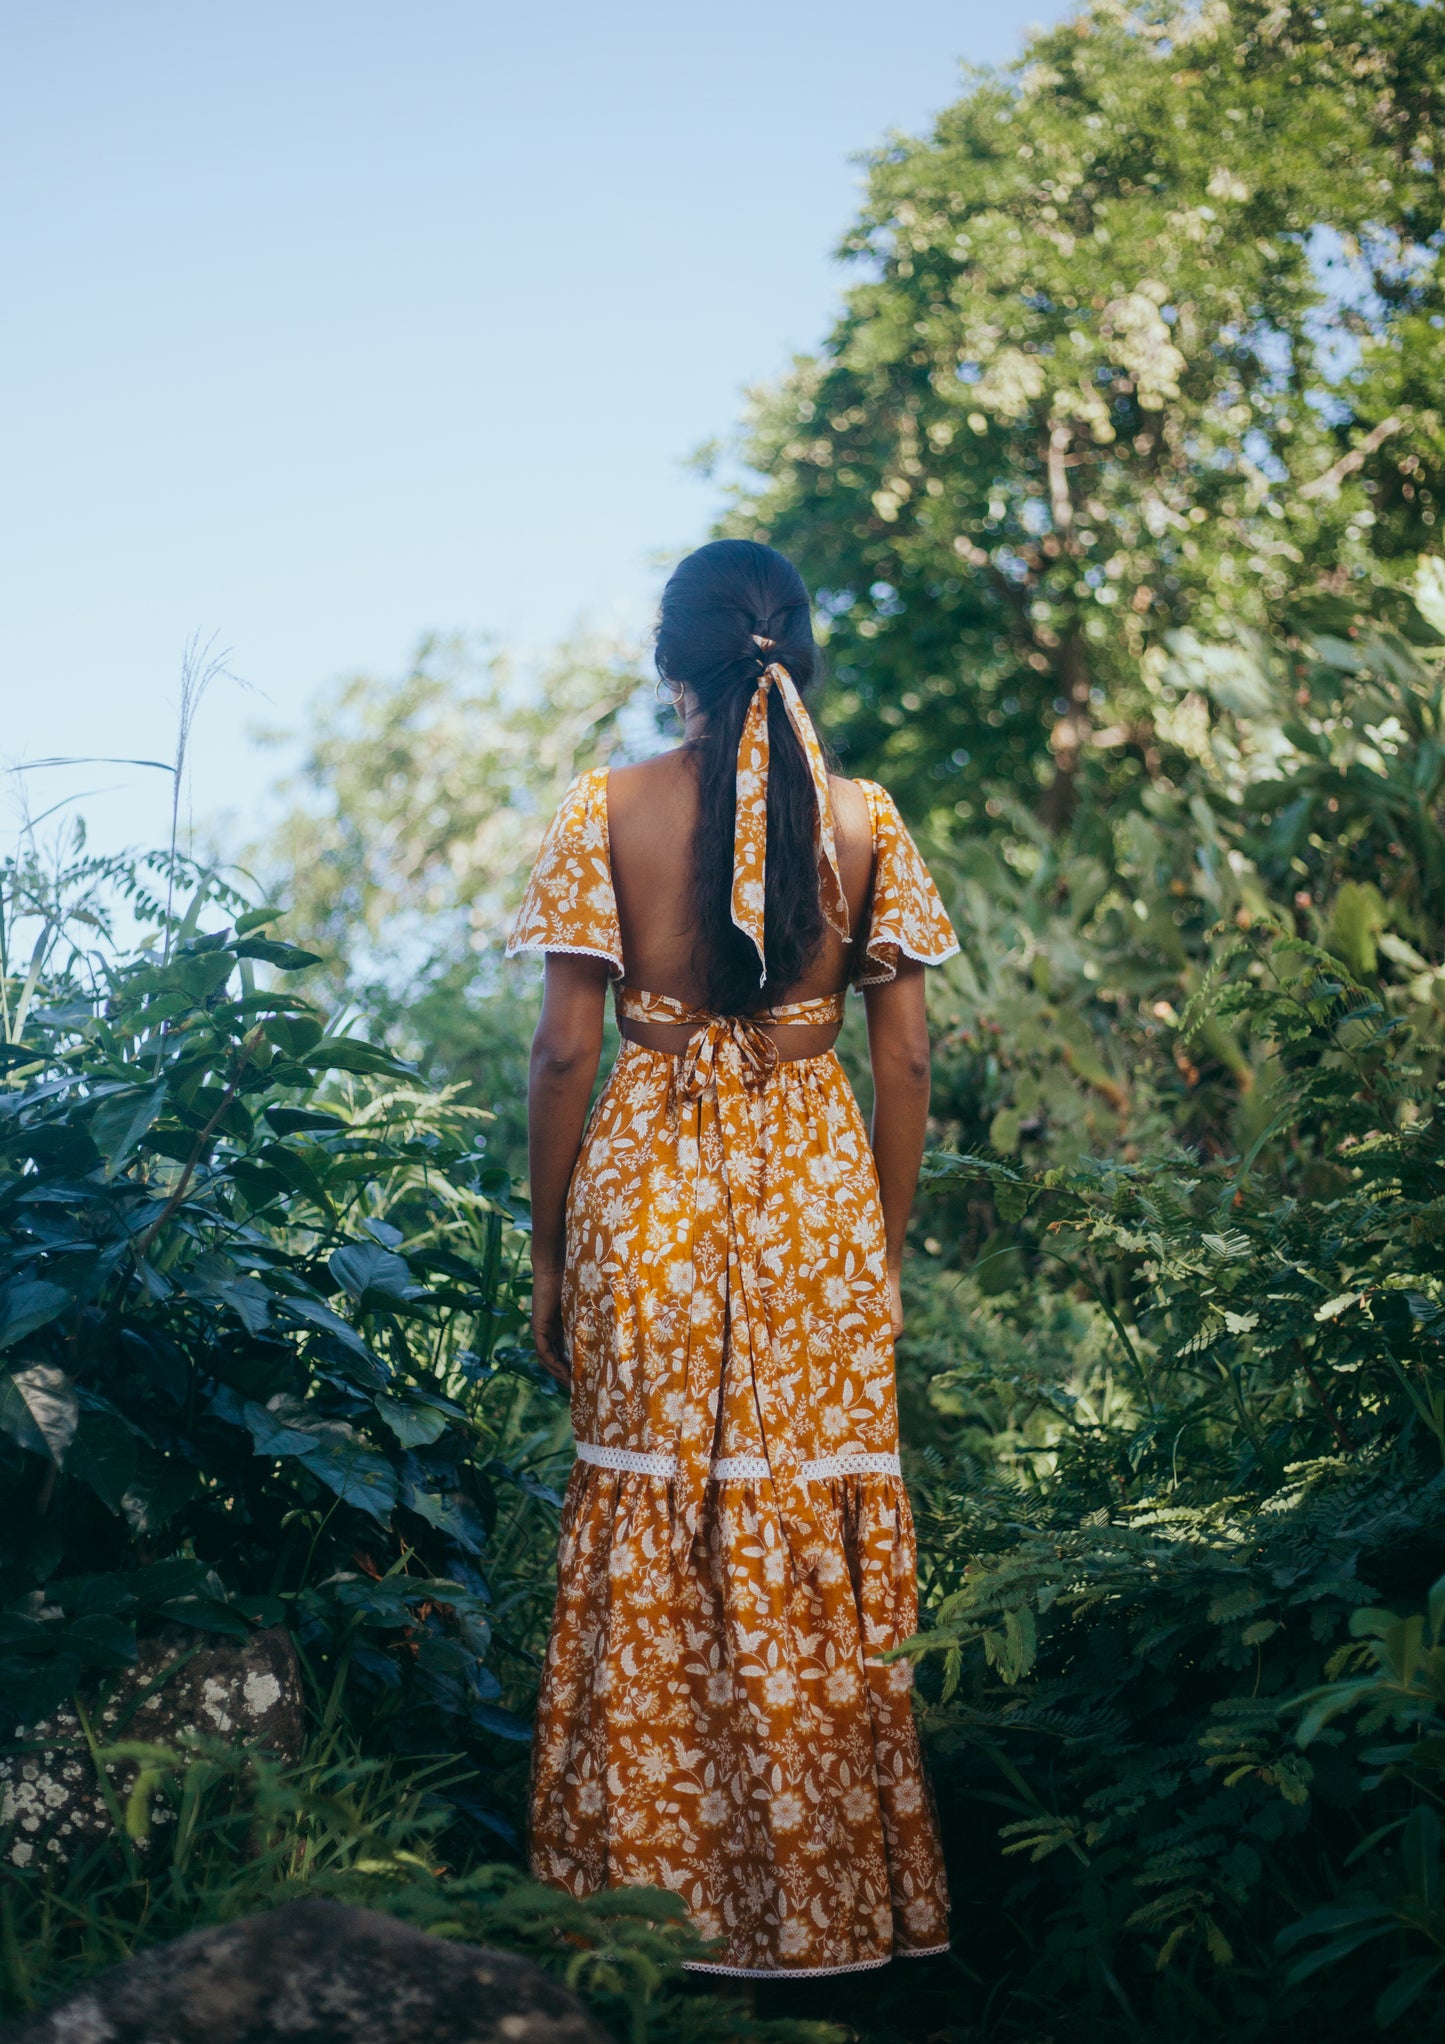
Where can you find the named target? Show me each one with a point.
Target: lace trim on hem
(627, 1461)
(516, 949)
(887, 972)
(744, 1468)
(783, 1972)
(814, 1972)
(828, 1466)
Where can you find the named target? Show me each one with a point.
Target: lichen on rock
(317, 1971)
(181, 1684)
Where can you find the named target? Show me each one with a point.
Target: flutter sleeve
(906, 914)
(569, 904)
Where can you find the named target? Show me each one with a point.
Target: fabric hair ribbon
(750, 832)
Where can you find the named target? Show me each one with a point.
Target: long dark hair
(715, 603)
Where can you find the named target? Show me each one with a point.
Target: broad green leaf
(367, 1270)
(162, 1486)
(348, 1054)
(315, 1314)
(102, 1635)
(415, 1422)
(120, 1121)
(161, 1582)
(292, 1121)
(286, 1430)
(275, 1169)
(358, 1473)
(250, 1301)
(31, 1689)
(1420, 1854)
(503, 1724)
(89, 1594)
(449, 1513)
(1359, 916)
(1436, 1607)
(27, 1304)
(285, 957)
(1003, 1131)
(39, 1410)
(103, 1454)
(294, 1034)
(1402, 1993)
(209, 1614)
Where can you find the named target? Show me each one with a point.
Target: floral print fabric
(570, 904)
(905, 914)
(750, 826)
(737, 1548)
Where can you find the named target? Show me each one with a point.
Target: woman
(716, 1265)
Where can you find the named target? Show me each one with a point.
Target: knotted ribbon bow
(726, 1040)
(750, 831)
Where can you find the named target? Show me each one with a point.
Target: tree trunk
(1070, 734)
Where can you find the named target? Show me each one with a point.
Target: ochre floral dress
(737, 1548)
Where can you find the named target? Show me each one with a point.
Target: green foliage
(258, 1335)
(408, 837)
(212, 1835)
(1146, 339)
(1143, 1557)
(1402, 1688)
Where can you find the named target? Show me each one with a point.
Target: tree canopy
(1147, 342)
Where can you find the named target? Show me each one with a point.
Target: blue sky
(332, 324)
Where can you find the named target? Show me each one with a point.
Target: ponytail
(717, 605)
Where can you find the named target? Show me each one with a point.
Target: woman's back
(652, 812)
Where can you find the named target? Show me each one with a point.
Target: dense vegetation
(1119, 482)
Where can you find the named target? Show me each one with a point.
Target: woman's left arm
(565, 1054)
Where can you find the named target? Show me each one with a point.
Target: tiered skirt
(717, 1716)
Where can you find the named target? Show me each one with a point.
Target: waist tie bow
(722, 1072)
(732, 1042)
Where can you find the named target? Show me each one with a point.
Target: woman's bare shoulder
(850, 806)
(651, 796)
(640, 775)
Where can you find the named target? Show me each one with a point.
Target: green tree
(419, 803)
(1149, 338)
(411, 828)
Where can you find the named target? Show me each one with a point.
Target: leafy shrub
(258, 1317)
(249, 1834)
(1398, 1682)
(1180, 1526)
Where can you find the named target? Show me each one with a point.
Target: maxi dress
(737, 1549)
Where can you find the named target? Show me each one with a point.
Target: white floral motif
(786, 1812)
(719, 1720)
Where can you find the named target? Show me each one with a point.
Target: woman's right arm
(566, 1051)
(898, 1051)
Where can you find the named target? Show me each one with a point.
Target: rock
(320, 1971)
(245, 1692)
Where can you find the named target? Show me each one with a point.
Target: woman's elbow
(555, 1059)
(920, 1066)
(917, 1072)
(909, 1066)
